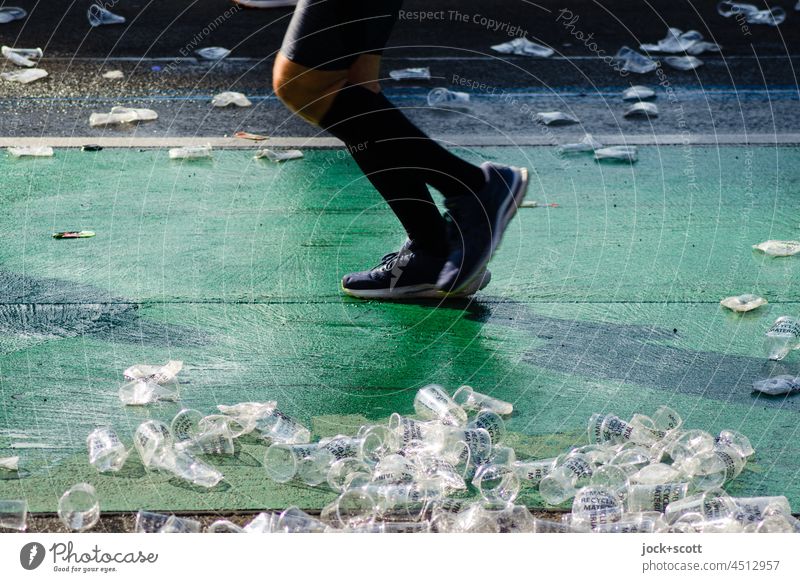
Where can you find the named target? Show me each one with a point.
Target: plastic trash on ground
(641, 110)
(79, 508)
(9, 463)
(617, 153)
(779, 248)
(278, 155)
(24, 76)
(433, 403)
(683, 63)
(469, 399)
(191, 152)
(120, 115)
(13, 514)
(114, 75)
(587, 144)
(782, 337)
(638, 93)
(224, 526)
(227, 98)
(634, 62)
(100, 16)
(106, 451)
(22, 57)
(742, 303)
(523, 46)
(159, 374)
(555, 118)
(146, 384)
(701, 47)
(31, 151)
(784, 384)
(678, 41)
(11, 13)
(420, 73)
(70, 234)
(212, 53)
(447, 99)
(752, 14)
(150, 522)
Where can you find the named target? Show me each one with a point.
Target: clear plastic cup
(711, 505)
(566, 478)
(278, 427)
(433, 403)
(468, 399)
(714, 469)
(447, 99)
(654, 497)
(13, 514)
(497, 483)
(782, 337)
(186, 467)
(308, 463)
(224, 526)
(151, 522)
(735, 440)
(154, 442)
(295, 520)
(79, 508)
(343, 471)
(492, 422)
(106, 451)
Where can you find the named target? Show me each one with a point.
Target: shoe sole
(505, 215)
(421, 291)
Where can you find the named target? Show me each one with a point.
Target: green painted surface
(607, 303)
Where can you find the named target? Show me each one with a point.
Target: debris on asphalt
(751, 13)
(535, 204)
(11, 13)
(230, 98)
(641, 110)
(278, 155)
(121, 115)
(677, 41)
(778, 385)
(24, 76)
(617, 153)
(743, 303)
(74, 234)
(443, 98)
(100, 16)
(212, 53)
(414, 73)
(587, 144)
(638, 93)
(634, 62)
(161, 374)
(150, 522)
(146, 384)
(106, 451)
(9, 464)
(523, 46)
(79, 508)
(22, 57)
(91, 147)
(114, 75)
(779, 248)
(555, 118)
(782, 337)
(688, 63)
(191, 152)
(250, 136)
(14, 514)
(31, 151)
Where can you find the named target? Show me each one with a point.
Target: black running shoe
(480, 220)
(406, 274)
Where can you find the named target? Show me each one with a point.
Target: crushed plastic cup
(634, 62)
(79, 508)
(266, 522)
(376, 442)
(703, 46)
(689, 444)
(617, 154)
(10, 464)
(587, 144)
(469, 447)
(154, 442)
(278, 155)
(468, 399)
(713, 469)
(160, 374)
(142, 392)
(779, 248)
(188, 468)
(342, 472)
(295, 520)
(202, 152)
(279, 427)
(641, 110)
(433, 403)
(688, 63)
(20, 56)
(186, 424)
(614, 477)
(782, 337)
(151, 522)
(712, 504)
(413, 73)
(246, 414)
(24, 76)
(395, 469)
(440, 472)
(13, 514)
(353, 508)
(657, 473)
(446, 99)
(638, 93)
(743, 303)
(735, 440)
(100, 16)
(497, 483)
(106, 451)
(751, 509)
(608, 428)
(630, 457)
(224, 526)
(11, 13)
(751, 13)
(212, 53)
(410, 432)
(676, 41)
(492, 422)
(654, 497)
(555, 118)
(783, 384)
(524, 47)
(308, 463)
(227, 98)
(115, 75)
(196, 434)
(120, 115)
(566, 478)
(31, 152)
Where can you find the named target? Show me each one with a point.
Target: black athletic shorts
(331, 34)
